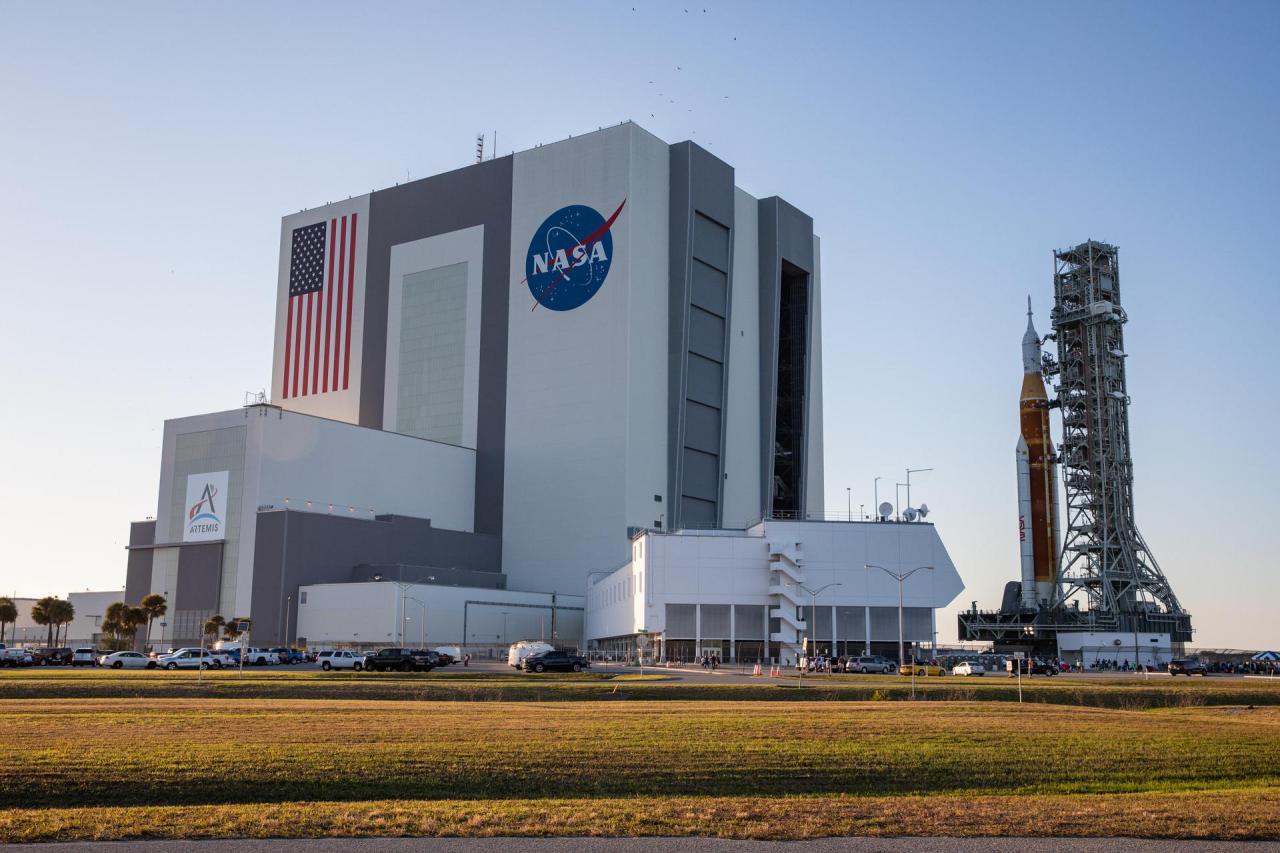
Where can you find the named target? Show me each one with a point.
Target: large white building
(729, 592)
(492, 378)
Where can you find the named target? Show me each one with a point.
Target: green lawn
(1129, 693)
(90, 768)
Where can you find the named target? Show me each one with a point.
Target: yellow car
(921, 670)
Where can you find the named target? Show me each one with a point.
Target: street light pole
(900, 577)
(911, 471)
(422, 625)
(403, 587)
(813, 614)
(849, 496)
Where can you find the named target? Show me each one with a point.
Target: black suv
(551, 661)
(1187, 667)
(404, 660)
(1031, 666)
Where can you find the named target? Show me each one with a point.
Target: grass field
(154, 767)
(1127, 693)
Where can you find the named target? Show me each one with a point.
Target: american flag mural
(317, 343)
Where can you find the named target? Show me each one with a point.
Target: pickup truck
(404, 660)
(14, 657)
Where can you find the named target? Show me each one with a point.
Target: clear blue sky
(944, 150)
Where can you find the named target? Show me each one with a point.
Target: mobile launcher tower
(1107, 581)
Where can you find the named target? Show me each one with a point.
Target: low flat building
(387, 612)
(748, 594)
(86, 628)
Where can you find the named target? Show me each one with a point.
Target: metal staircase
(785, 602)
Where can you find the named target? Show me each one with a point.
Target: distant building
(90, 607)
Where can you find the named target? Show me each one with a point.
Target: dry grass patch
(1243, 814)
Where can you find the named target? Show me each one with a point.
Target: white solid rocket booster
(1023, 457)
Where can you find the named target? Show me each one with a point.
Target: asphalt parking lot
(731, 673)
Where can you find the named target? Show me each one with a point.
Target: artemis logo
(569, 256)
(206, 506)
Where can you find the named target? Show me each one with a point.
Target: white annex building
(486, 383)
(728, 592)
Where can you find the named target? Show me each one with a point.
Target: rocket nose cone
(1022, 446)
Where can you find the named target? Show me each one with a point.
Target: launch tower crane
(1104, 557)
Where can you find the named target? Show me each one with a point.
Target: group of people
(711, 662)
(1110, 665)
(1248, 667)
(821, 663)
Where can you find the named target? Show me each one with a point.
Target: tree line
(119, 627)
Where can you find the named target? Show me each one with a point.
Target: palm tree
(213, 626)
(61, 612)
(155, 606)
(229, 631)
(134, 618)
(113, 623)
(41, 616)
(8, 613)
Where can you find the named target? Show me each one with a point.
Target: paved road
(673, 845)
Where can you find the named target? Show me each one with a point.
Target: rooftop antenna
(479, 147)
(494, 155)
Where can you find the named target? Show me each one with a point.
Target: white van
(524, 648)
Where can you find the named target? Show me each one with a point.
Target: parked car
(554, 660)
(524, 648)
(968, 667)
(453, 653)
(1186, 666)
(286, 655)
(127, 660)
(15, 657)
(404, 660)
(341, 659)
(192, 659)
(1030, 666)
(51, 657)
(257, 657)
(922, 670)
(85, 657)
(871, 663)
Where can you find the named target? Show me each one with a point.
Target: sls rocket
(1037, 479)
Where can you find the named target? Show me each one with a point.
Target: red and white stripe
(317, 343)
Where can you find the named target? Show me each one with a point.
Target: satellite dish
(886, 510)
(909, 514)
(924, 510)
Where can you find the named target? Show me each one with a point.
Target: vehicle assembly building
(1107, 596)
(486, 383)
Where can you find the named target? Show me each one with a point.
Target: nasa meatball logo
(569, 257)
